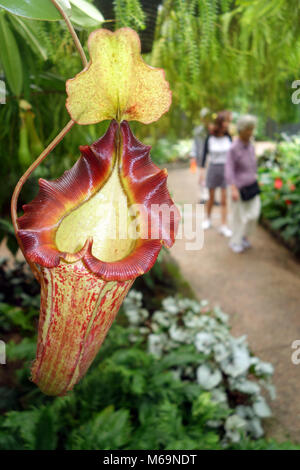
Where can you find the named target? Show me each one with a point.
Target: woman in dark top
(216, 146)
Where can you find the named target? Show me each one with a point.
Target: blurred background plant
(280, 190)
(238, 40)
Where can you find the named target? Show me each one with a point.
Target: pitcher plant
(91, 232)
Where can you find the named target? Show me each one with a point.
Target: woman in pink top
(241, 175)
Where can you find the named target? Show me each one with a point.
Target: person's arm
(235, 194)
(205, 152)
(202, 161)
(230, 138)
(230, 174)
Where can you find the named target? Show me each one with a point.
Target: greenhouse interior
(150, 227)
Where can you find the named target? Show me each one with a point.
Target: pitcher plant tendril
(91, 232)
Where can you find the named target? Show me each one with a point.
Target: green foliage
(280, 186)
(41, 10)
(195, 343)
(125, 402)
(7, 230)
(19, 298)
(82, 12)
(219, 54)
(10, 57)
(108, 429)
(85, 14)
(14, 30)
(25, 350)
(36, 428)
(16, 316)
(167, 150)
(129, 13)
(265, 444)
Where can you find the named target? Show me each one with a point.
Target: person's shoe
(246, 244)
(206, 224)
(224, 230)
(236, 248)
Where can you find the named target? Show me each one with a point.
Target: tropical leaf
(25, 29)
(107, 429)
(85, 14)
(36, 10)
(10, 57)
(24, 350)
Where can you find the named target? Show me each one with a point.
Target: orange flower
(278, 183)
(193, 165)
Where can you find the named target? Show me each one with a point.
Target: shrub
(280, 185)
(165, 150)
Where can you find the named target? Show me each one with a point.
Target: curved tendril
(72, 32)
(49, 148)
(24, 178)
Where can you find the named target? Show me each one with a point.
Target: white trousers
(244, 215)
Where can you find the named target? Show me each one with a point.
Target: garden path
(260, 290)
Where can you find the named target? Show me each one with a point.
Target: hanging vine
(129, 13)
(219, 52)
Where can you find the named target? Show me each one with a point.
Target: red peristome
(38, 225)
(77, 310)
(144, 184)
(136, 263)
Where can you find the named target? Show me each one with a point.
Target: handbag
(250, 191)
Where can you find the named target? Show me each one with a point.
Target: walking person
(200, 134)
(241, 175)
(216, 147)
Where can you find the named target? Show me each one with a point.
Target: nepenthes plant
(80, 235)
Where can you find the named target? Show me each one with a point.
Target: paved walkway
(260, 290)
